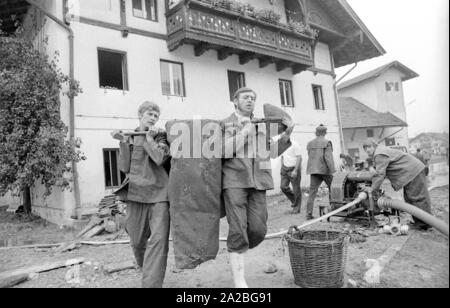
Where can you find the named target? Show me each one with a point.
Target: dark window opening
(287, 97)
(370, 133)
(388, 86)
(236, 80)
(112, 70)
(113, 176)
(318, 97)
(172, 79)
(390, 142)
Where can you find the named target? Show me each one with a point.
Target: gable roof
(355, 114)
(410, 74)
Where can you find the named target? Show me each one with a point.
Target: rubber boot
(237, 268)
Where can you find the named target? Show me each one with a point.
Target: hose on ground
(441, 226)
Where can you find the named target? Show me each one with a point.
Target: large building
(373, 105)
(189, 56)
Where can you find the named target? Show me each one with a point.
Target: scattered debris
(375, 266)
(357, 238)
(17, 276)
(110, 226)
(111, 217)
(95, 221)
(177, 271)
(271, 268)
(94, 231)
(114, 268)
(352, 283)
(12, 281)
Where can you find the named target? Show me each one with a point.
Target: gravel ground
(423, 262)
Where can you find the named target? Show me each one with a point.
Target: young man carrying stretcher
(142, 156)
(246, 177)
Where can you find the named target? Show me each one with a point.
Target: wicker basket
(318, 258)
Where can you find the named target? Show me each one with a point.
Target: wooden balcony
(205, 26)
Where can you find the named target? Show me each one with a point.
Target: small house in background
(189, 56)
(435, 144)
(373, 105)
(360, 122)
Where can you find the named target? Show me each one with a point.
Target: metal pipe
(385, 203)
(391, 135)
(345, 75)
(71, 98)
(362, 196)
(338, 108)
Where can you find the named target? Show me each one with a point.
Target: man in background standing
(419, 155)
(291, 173)
(320, 166)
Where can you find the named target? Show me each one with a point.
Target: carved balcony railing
(207, 27)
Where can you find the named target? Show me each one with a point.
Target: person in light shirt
(291, 174)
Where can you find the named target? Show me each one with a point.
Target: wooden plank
(31, 246)
(94, 231)
(10, 282)
(92, 223)
(9, 275)
(117, 267)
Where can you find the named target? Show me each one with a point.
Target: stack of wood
(110, 218)
(111, 206)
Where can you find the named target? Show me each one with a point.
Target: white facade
(99, 111)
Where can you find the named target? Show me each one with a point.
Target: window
(390, 142)
(172, 78)
(287, 98)
(370, 133)
(113, 176)
(388, 86)
(112, 67)
(236, 80)
(145, 9)
(318, 97)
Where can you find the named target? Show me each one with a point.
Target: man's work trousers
(416, 193)
(246, 210)
(294, 195)
(148, 228)
(316, 181)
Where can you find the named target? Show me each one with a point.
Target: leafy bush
(33, 138)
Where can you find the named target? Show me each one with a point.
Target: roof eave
(375, 126)
(363, 27)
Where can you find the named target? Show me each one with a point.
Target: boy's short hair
(371, 142)
(146, 106)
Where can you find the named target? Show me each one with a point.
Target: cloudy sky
(414, 32)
